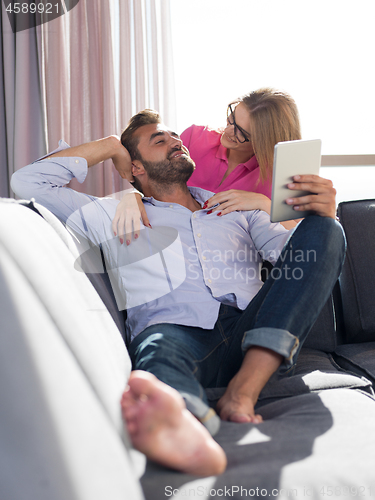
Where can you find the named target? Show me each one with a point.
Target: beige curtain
(100, 63)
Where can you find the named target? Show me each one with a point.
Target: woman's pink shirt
(211, 162)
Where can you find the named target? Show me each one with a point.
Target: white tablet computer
(292, 158)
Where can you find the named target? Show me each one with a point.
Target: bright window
(321, 52)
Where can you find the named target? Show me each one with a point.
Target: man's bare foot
(163, 429)
(237, 407)
(238, 401)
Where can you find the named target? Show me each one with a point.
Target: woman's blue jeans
(279, 317)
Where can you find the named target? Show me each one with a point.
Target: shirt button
(199, 235)
(77, 161)
(204, 257)
(195, 216)
(170, 206)
(210, 281)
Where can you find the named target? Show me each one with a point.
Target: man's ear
(137, 168)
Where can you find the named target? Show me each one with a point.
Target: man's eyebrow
(161, 133)
(156, 134)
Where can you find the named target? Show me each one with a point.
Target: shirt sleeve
(45, 181)
(268, 237)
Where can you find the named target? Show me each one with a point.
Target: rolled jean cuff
(206, 415)
(275, 339)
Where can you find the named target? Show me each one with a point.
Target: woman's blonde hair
(274, 118)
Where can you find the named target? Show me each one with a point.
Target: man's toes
(240, 418)
(131, 426)
(127, 401)
(130, 412)
(142, 384)
(128, 397)
(257, 419)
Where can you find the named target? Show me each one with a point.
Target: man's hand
(322, 200)
(123, 163)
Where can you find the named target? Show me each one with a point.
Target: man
(216, 327)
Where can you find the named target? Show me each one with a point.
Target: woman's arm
(236, 199)
(129, 213)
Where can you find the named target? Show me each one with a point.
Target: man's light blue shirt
(178, 272)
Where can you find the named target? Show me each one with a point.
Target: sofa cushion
(315, 371)
(357, 279)
(307, 446)
(357, 358)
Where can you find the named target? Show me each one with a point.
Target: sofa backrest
(357, 281)
(98, 275)
(63, 368)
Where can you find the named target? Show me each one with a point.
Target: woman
(236, 162)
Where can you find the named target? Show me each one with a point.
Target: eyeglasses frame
(230, 113)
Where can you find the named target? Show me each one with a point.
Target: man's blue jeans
(279, 318)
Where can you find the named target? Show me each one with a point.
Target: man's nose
(175, 142)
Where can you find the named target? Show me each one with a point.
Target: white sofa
(63, 368)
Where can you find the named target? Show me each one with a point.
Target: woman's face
(229, 139)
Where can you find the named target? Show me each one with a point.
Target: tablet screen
(292, 158)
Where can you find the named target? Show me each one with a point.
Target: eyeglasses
(241, 134)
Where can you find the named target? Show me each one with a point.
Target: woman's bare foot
(163, 429)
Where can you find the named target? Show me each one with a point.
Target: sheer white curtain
(101, 62)
(146, 62)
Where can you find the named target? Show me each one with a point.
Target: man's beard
(169, 172)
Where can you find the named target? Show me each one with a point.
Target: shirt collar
(221, 153)
(251, 164)
(201, 195)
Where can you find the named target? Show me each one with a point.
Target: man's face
(157, 142)
(164, 157)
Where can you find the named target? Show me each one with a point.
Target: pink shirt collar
(251, 164)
